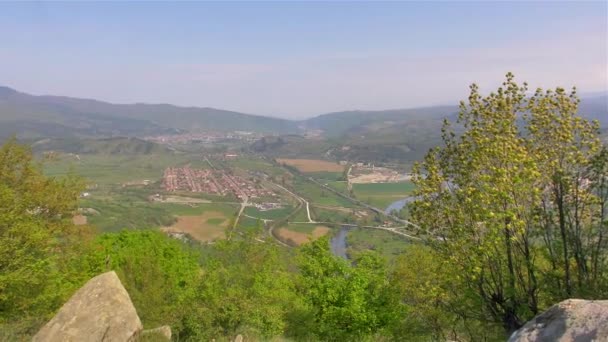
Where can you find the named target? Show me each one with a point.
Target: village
(214, 182)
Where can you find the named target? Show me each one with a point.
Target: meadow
(387, 244)
(269, 214)
(382, 194)
(318, 195)
(115, 169)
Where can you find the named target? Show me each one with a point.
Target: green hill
(108, 146)
(57, 116)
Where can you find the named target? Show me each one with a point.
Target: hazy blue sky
(299, 59)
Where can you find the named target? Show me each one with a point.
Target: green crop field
(318, 195)
(339, 185)
(301, 227)
(115, 169)
(269, 214)
(382, 194)
(251, 163)
(325, 175)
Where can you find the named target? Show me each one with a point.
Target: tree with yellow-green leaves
(511, 204)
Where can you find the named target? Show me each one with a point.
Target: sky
(299, 59)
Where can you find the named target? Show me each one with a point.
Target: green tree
(437, 308)
(246, 288)
(344, 302)
(37, 236)
(565, 147)
(160, 273)
(491, 198)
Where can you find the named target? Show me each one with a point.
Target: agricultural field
(387, 244)
(269, 214)
(253, 163)
(312, 165)
(248, 223)
(209, 226)
(341, 215)
(114, 169)
(318, 195)
(340, 186)
(298, 234)
(326, 176)
(116, 215)
(382, 194)
(114, 211)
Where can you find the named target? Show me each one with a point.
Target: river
(338, 243)
(398, 205)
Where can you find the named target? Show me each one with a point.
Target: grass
(248, 223)
(382, 195)
(325, 176)
(341, 186)
(251, 163)
(128, 208)
(300, 216)
(216, 220)
(301, 227)
(386, 244)
(269, 214)
(117, 215)
(328, 215)
(318, 195)
(115, 169)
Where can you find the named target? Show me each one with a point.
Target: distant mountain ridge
(32, 116)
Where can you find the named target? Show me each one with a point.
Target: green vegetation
(269, 214)
(161, 274)
(255, 163)
(39, 246)
(338, 185)
(385, 243)
(318, 195)
(335, 292)
(512, 214)
(381, 195)
(112, 215)
(325, 176)
(115, 169)
(524, 217)
(301, 227)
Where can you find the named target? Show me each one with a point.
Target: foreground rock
(573, 320)
(100, 311)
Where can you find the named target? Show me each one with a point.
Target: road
(238, 216)
(388, 229)
(363, 204)
(301, 199)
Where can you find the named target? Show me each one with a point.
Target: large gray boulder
(573, 320)
(100, 311)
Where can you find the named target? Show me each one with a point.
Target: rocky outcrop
(573, 320)
(100, 311)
